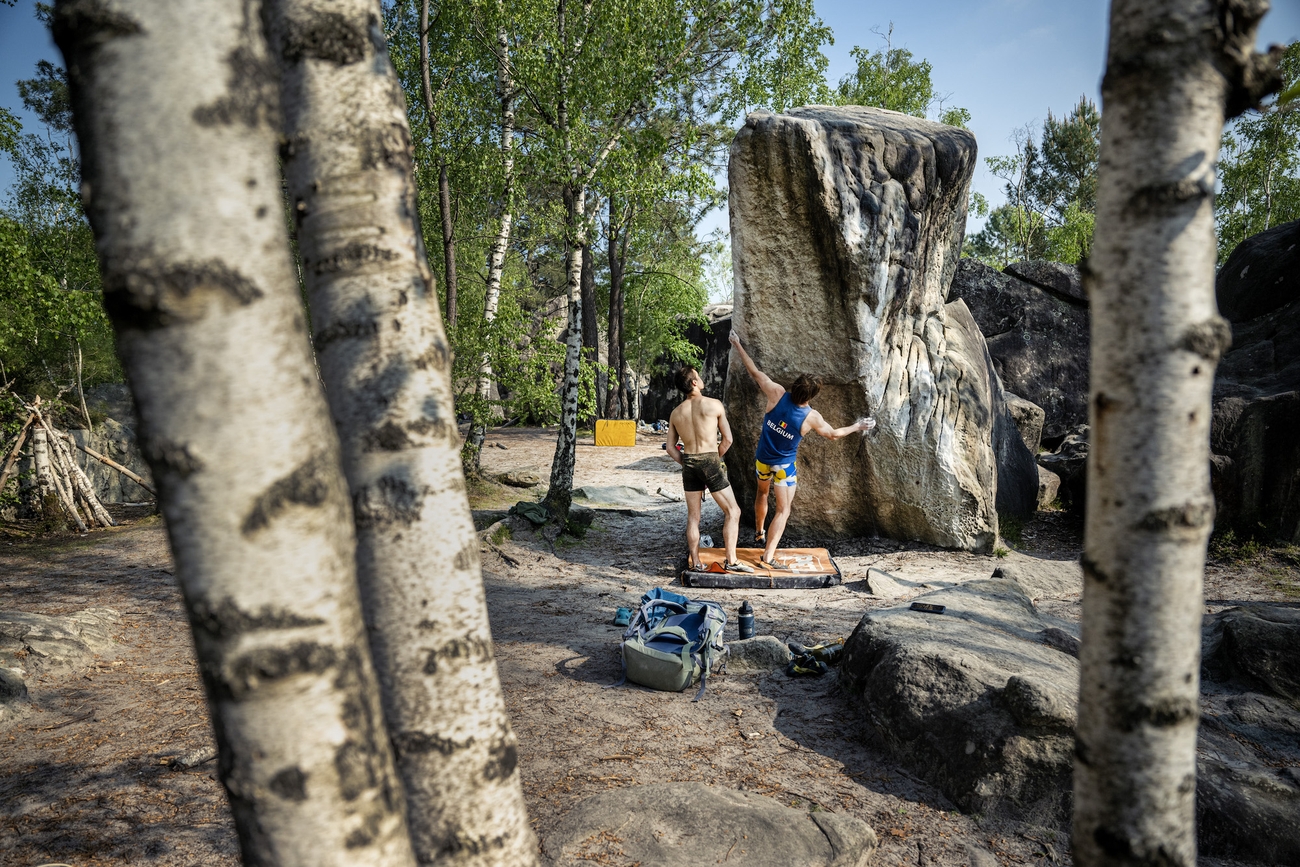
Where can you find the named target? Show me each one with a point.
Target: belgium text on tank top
(780, 438)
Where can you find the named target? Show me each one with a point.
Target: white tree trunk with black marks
(175, 107)
(501, 243)
(41, 462)
(560, 495)
(386, 366)
(1156, 339)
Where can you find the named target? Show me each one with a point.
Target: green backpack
(672, 640)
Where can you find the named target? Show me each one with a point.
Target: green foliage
(1226, 546)
(53, 331)
(649, 90)
(10, 129)
(893, 78)
(1011, 529)
(955, 117)
(1259, 167)
(1051, 193)
(783, 65)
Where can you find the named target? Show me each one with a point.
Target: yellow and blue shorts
(781, 475)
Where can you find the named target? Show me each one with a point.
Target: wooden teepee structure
(57, 473)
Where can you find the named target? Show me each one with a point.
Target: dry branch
(14, 452)
(107, 461)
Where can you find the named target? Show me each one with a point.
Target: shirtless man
(696, 422)
(788, 418)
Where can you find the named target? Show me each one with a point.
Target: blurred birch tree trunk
(387, 371)
(1174, 67)
(176, 111)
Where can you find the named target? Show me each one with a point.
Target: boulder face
(1256, 466)
(979, 700)
(665, 824)
(846, 227)
(1037, 333)
(1248, 769)
(1261, 275)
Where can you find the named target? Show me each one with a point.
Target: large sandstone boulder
(673, 824)
(979, 700)
(1037, 334)
(1256, 467)
(846, 227)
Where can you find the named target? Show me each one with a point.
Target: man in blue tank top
(787, 420)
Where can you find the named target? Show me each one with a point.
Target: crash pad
(615, 432)
(805, 568)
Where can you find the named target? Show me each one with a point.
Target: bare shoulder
(675, 416)
(714, 406)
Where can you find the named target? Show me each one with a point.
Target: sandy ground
(84, 779)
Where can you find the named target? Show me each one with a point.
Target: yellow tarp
(611, 432)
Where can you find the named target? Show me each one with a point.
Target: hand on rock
(866, 423)
(735, 339)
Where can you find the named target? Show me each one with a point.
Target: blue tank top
(781, 433)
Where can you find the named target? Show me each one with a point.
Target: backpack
(671, 640)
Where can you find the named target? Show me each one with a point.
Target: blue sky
(1007, 61)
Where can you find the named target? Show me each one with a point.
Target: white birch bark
(1157, 335)
(500, 244)
(79, 484)
(176, 113)
(386, 366)
(559, 496)
(41, 461)
(46, 452)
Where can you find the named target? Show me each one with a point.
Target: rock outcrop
(846, 227)
(670, 824)
(979, 700)
(662, 396)
(1037, 334)
(1069, 463)
(1256, 468)
(1060, 279)
(1248, 770)
(1261, 275)
(38, 645)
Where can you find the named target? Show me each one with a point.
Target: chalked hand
(866, 423)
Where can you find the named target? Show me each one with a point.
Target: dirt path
(83, 779)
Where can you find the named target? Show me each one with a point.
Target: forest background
(549, 167)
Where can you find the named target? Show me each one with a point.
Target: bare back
(697, 421)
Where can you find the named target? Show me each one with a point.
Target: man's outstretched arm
(819, 425)
(773, 390)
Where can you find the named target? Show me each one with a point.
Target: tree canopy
(1050, 185)
(1259, 167)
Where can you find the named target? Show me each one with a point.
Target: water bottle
(746, 620)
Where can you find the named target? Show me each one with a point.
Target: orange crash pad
(801, 568)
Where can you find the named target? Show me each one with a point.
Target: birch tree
(593, 71)
(1175, 69)
(386, 366)
(175, 110)
(507, 94)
